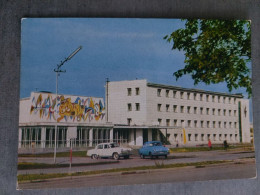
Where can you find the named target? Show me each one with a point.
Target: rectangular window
(230, 125)
(201, 110)
(195, 96)
(220, 137)
(218, 99)
(160, 121)
(213, 98)
(235, 124)
(137, 106)
(189, 123)
(159, 92)
(174, 108)
(129, 120)
(167, 93)
(219, 124)
(137, 91)
(167, 107)
(195, 123)
(229, 112)
(224, 112)
(129, 106)
(201, 97)
(159, 107)
(214, 124)
(182, 123)
(213, 111)
(208, 124)
(201, 124)
(181, 95)
(195, 110)
(167, 122)
(225, 124)
(188, 96)
(214, 137)
(207, 111)
(235, 113)
(189, 137)
(175, 136)
(202, 137)
(229, 100)
(219, 111)
(174, 94)
(129, 91)
(224, 100)
(182, 109)
(175, 122)
(207, 98)
(235, 100)
(236, 137)
(196, 137)
(188, 109)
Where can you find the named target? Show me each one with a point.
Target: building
(148, 111)
(136, 111)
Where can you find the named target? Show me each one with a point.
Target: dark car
(153, 148)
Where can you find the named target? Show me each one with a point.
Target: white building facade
(189, 117)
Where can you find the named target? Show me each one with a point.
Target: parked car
(153, 148)
(109, 150)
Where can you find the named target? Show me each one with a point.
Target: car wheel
(92, 156)
(156, 156)
(116, 156)
(150, 154)
(95, 156)
(126, 157)
(166, 156)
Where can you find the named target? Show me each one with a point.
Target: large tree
(215, 51)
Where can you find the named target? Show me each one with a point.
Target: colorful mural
(79, 110)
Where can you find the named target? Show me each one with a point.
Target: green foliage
(215, 51)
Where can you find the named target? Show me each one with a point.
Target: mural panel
(68, 109)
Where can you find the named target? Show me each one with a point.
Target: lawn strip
(33, 177)
(29, 165)
(59, 154)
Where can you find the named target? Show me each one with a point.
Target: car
(109, 150)
(153, 149)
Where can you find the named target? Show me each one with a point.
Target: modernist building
(136, 111)
(184, 116)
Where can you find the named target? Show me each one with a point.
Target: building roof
(194, 90)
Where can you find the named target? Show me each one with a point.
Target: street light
(58, 70)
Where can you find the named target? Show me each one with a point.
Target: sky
(113, 48)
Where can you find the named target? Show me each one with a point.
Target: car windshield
(114, 145)
(155, 144)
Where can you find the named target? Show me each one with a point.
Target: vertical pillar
(111, 133)
(43, 137)
(91, 137)
(20, 138)
(150, 137)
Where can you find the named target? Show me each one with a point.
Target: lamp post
(58, 70)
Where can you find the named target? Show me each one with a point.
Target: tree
(215, 51)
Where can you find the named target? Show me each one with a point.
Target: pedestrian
(177, 145)
(209, 144)
(225, 145)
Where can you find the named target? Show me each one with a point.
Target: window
(195, 96)
(137, 91)
(201, 97)
(174, 108)
(167, 107)
(129, 91)
(189, 137)
(159, 92)
(196, 137)
(214, 137)
(167, 93)
(100, 146)
(195, 110)
(129, 106)
(189, 123)
(225, 124)
(201, 124)
(159, 107)
(181, 95)
(188, 109)
(207, 111)
(167, 122)
(214, 124)
(219, 111)
(213, 98)
(235, 124)
(182, 123)
(208, 124)
(220, 137)
(175, 136)
(208, 136)
(159, 121)
(201, 110)
(229, 100)
(225, 136)
(137, 107)
(224, 100)
(213, 111)
(229, 112)
(195, 123)
(174, 94)
(235, 113)
(129, 120)
(202, 137)
(188, 96)
(207, 98)
(219, 124)
(236, 137)
(235, 100)
(218, 99)
(230, 125)
(224, 112)
(182, 109)
(175, 122)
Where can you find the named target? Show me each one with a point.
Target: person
(209, 144)
(177, 145)
(225, 145)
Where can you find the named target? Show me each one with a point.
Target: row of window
(194, 110)
(203, 137)
(129, 91)
(137, 107)
(207, 124)
(195, 96)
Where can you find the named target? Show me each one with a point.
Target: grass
(29, 165)
(35, 177)
(59, 154)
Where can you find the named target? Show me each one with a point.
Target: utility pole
(58, 70)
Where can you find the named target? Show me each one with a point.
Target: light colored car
(109, 150)
(153, 148)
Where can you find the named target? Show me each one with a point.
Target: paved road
(135, 161)
(244, 169)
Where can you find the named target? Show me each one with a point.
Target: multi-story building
(136, 111)
(183, 116)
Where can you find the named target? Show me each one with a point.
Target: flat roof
(194, 90)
